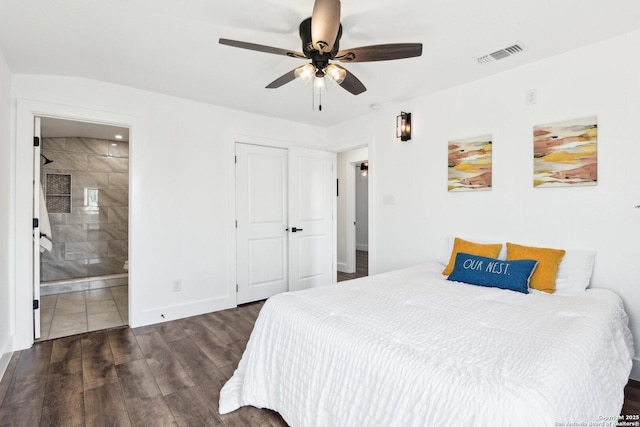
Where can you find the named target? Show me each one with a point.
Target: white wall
(6, 187)
(344, 224)
(362, 212)
(181, 155)
(600, 80)
(180, 160)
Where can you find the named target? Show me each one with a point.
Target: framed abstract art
(565, 153)
(470, 164)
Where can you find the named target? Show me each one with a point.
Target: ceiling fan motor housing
(319, 60)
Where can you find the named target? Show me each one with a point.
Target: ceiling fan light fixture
(305, 73)
(319, 83)
(335, 73)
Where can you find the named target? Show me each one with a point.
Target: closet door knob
(294, 229)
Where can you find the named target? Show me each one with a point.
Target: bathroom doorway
(84, 178)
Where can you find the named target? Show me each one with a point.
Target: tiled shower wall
(91, 240)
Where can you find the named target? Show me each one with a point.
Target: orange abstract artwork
(565, 153)
(470, 164)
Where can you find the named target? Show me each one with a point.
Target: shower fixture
(46, 161)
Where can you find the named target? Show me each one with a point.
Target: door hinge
(236, 159)
(36, 141)
(35, 223)
(36, 304)
(236, 288)
(236, 223)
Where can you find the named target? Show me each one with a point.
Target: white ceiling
(171, 46)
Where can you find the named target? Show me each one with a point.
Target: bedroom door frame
(37, 145)
(350, 197)
(26, 112)
(350, 145)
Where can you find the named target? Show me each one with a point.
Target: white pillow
(574, 272)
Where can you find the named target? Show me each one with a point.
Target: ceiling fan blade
(351, 83)
(261, 48)
(380, 52)
(325, 22)
(282, 80)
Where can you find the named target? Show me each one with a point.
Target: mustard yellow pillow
(544, 276)
(479, 249)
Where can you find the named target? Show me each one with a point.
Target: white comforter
(408, 348)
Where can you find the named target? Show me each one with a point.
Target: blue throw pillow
(494, 273)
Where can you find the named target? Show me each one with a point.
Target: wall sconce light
(364, 169)
(403, 126)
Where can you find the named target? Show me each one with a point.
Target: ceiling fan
(320, 36)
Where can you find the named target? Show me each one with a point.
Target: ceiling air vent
(500, 54)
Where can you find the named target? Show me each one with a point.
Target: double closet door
(284, 232)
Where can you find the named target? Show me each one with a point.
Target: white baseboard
(5, 355)
(361, 247)
(4, 362)
(635, 370)
(342, 267)
(164, 314)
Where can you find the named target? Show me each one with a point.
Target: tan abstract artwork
(565, 153)
(470, 164)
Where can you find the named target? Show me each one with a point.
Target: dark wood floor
(362, 267)
(162, 375)
(168, 374)
(631, 398)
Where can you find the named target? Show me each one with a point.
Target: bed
(410, 348)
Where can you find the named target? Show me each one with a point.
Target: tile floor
(77, 312)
